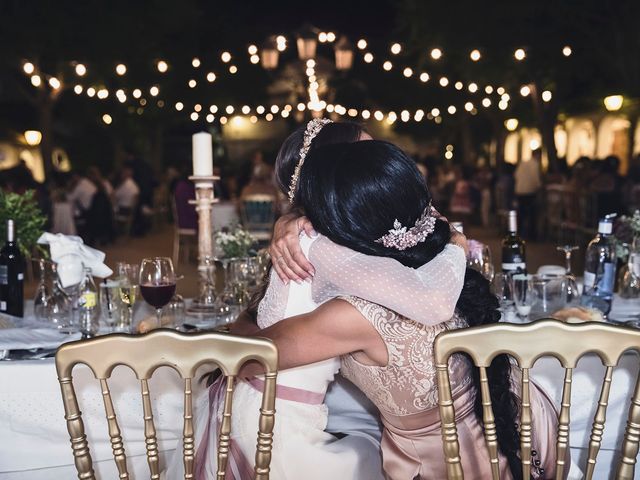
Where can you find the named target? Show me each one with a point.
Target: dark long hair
(352, 193)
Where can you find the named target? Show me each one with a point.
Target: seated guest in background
(127, 192)
(99, 219)
(261, 182)
(81, 191)
(94, 174)
(528, 181)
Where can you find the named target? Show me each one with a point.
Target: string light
(281, 43)
(213, 109)
(511, 124)
(546, 96)
(486, 102)
(436, 54)
(331, 37)
(143, 101)
(121, 69)
(268, 117)
(378, 115)
(322, 37)
(407, 72)
(260, 109)
(252, 50)
(566, 51)
(81, 70)
(435, 112)
(103, 93)
(500, 91)
(195, 62)
(194, 116)
(452, 109)
(362, 44)
(154, 91)
(459, 86)
(229, 109)
(503, 105)
(233, 69)
(424, 77)
(392, 117)
(192, 83)
(405, 116)
(366, 114)
(519, 54)
(78, 89)
(106, 118)
(285, 113)
(488, 89)
(162, 66)
(468, 106)
(473, 88)
(246, 109)
(368, 57)
(36, 81)
(28, 68)
(197, 107)
(525, 91)
(444, 81)
(54, 83)
(255, 59)
(223, 120)
(396, 48)
(387, 65)
(91, 92)
(179, 106)
(211, 77)
(253, 119)
(448, 154)
(225, 57)
(210, 118)
(137, 93)
(475, 55)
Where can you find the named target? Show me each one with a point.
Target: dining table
(35, 443)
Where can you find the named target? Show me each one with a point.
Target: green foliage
(235, 243)
(27, 216)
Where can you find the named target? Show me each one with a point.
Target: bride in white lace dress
(301, 446)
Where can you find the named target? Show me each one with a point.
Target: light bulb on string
(179, 106)
(473, 88)
(546, 96)
(452, 109)
(91, 92)
(106, 118)
(253, 119)
(368, 57)
(192, 83)
(436, 54)
(486, 102)
(194, 116)
(566, 51)
(137, 93)
(195, 62)
(213, 109)
(54, 83)
(435, 112)
(246, 109)
(210, 118)
(28, 68)
(366, 114)
(362, 44)
(78, 89)
(103, 93)
(197, 107)
(475, 55)
(225, 57)
(223, 120)
(252, 49)
(154, 91)
(525, 90)
(488, 89)
(519, 54)
(211, 77)
(407, 72)
(162, 66)
(396, 48)
(459, 86)
(81, 70)
(229, 109)
(468, 106)
(424, 77)
(254, 59)
(260, 109)
(121, 69)
(444, 81)
(233, 69)
(387, 65)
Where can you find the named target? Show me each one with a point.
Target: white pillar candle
(202, 154)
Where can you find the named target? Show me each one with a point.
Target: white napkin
(28, 338)
(70, 251)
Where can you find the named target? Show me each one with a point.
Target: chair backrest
(258, 211)
(527, 343)
(184, 353)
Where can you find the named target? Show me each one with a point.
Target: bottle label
(87, 300)
(514, 266)
(20, 277)
(4, 275)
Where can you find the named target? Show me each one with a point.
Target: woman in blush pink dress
(370, 197)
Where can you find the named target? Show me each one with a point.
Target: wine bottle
(11, 275)
(600, 268)
(513, 248)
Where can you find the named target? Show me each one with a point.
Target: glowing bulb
(197, 107)
(233, 69)
(500, 91)
(546, 96)
(91, 92)
(81, 70)
(505, 97)
(486, 102)
(268, 117)
(54, 82)
(255, 59)
(211, 77)
(391, 117)
(452, 109)
(223, 120)
(253, 119)
(77, 89)
(28, 68)
(252, 49)
(475, 55)
(322, 37)
(468, 106)
(449, 148)
(473, 88)
(368, 57)
(448, 155)
(210, 118)
(213, 109)
(229, 109)
(435, 112)
(405, 116)
(106, 118)
(137, 93)
(179, 106)
(525, 90)
(311, 63)
(103, 93)
(33, 137)
(225, 57)
(162, 66)
(502, 105)
(36, 81)
(192, 83)
(511, 124)
(488, 89)
(566, 51)
(436, 53)
(260, 109)
(534, 144)
(195, 62)
(331, 37)
(362, 44)
(121, 69)
(274, 108)
(396, 48)
(194, 116)
(246, 109)
(424, 77)
(366, 114)
(285, 113)
(407, 72)
(519, 54)
(459, 86)
(154, 91)
(444, 81)
(378, 115)
(613, 102)
(301, 107)
(387, 65)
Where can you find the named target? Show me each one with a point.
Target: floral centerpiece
(234, 242)
(625, 229)
(29, 220)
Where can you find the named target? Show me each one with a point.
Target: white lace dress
(302, 449)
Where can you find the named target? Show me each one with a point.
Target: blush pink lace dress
(301, 447)
(405, 392)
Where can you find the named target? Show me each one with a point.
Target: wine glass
(111, 304)
(569, 286)
(523, 294)
(127, 275)
(157, 283)
(479, 258)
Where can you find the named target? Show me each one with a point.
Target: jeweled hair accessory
(313, 128)
(401, 238)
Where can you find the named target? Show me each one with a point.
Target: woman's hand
(287, 257)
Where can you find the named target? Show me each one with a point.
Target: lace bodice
(427, 294)
(407, 385)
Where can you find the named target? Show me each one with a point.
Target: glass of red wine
(157, 283)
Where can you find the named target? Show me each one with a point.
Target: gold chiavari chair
(527, 343)
(184, 353)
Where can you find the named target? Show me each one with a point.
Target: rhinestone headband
(313, 128)
(401, 238)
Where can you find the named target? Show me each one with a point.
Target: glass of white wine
(127, 277)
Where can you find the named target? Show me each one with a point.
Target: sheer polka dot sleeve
(427, 294)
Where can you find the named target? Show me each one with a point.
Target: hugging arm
(427, 294)
(333, 329)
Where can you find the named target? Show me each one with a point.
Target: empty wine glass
(523, 294)
(157, 283)
(42, 297)
(569, 285)
(479, 258)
